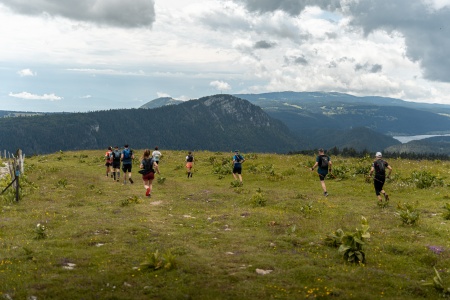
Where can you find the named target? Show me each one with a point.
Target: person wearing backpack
(189, 163)
(379, 167)
(323, 162)
(115, 158)
(127, 157)
(148, 167)
(237, 166)
(108, 161)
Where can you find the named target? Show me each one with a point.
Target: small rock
(263, 272)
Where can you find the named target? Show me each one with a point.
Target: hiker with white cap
(379, 166)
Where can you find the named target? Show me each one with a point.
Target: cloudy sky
(85, 55)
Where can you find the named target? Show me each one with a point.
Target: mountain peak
(159, 102)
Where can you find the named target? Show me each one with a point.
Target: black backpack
(148, 166)
(380, 166)
(116, 155)
(324, 161)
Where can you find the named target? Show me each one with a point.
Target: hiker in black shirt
(323, 162)
(379, 166)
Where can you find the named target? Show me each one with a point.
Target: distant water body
(409, 138)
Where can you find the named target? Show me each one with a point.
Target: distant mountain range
(216, 123)
(334, 119)
(270, 122)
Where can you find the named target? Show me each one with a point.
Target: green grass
(100, 236)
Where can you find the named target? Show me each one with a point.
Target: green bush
(408, 213)
(424, 179)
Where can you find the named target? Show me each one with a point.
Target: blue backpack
(126, 153)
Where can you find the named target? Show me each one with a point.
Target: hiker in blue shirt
(237, 166)
(323, 162)
(379, 166)
(127, 162)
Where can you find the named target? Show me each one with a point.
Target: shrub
(408, 213)
(424, 179)
(362, 169)
(340, 172)
(258, 199)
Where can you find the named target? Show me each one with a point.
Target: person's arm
(371, 171)
(315, 165)
(330, 165)
(390, 171)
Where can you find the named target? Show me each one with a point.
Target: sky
(88, 55)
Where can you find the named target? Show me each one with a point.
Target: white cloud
(118, 13)
(26, 72)
(220, 85)
(86, 97)
(179, 47)
(29, 96)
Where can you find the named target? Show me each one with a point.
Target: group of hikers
(149, 165)
(378, 168)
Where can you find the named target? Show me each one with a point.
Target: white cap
(378, 155)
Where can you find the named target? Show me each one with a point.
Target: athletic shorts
(322, 176)
(126, 167)
(378, 183)
(148, 176)
(189, 164)
(108, 164)
(237, 170)
(116, 165)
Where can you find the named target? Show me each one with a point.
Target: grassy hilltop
(205, 238)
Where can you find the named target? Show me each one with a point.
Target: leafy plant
(424, 179)
(408, 213)
(40, 232)
(258, 199)
(156, 261)
(62, 183)
(307, 209)
(130, 200)
(353, 243)
(161, 180)
(438, 284)
(340, 172)
(334, 239)
(235, 183)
